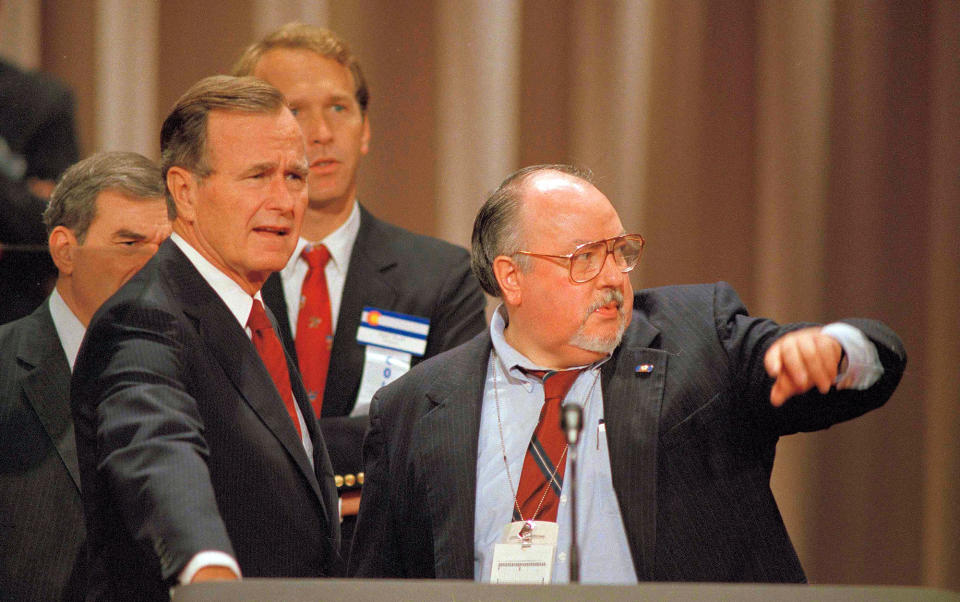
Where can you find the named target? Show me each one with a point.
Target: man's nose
(610, 273)
(318, 130)
(283, 196)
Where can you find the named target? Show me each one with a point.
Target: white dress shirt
(340, 244)
(69, 328)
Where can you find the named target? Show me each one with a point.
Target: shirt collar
(339, 243)
(513, 362)
(69, 328)
(237, 300)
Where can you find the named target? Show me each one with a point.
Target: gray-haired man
(106, 218)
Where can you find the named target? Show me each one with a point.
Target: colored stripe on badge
(393, 330)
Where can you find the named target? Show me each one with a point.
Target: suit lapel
(231, 347)
(445, 444)
(46, 386)
(631, 406)
(365, 285)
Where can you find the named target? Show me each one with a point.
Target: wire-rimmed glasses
(587, 259)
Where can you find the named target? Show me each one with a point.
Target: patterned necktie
(538, 494)
(314, 332)
(270, 348)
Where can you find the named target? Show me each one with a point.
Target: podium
(384, 590)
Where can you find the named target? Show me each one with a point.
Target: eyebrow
(341, 97)
(300, 168)
(124, 233)
(258, 167)
(580, 241)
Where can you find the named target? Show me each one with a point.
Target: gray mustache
(610, 295)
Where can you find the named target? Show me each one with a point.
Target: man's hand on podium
(214, 573)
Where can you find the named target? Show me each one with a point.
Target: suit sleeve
(150, 453)
(747, 340)
(374, 552)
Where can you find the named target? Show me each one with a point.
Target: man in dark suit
(684, 397)
(199, 457)
(372, 264)
(106, 218)
(37, 143)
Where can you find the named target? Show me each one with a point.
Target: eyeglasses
(587, 259)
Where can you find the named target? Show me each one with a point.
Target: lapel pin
(644, 369)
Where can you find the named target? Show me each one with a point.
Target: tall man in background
(684, 397)
(106, 218)
(351, 271)
(199, 454)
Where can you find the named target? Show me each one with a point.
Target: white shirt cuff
(861, 367)
(208, 558)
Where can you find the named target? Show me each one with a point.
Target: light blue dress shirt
(604, 551)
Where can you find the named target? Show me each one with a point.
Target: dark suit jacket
(36, 121)
(41, 517)
(185, 445)
(397, 270)
(691, 446)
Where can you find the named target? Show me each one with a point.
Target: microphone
(571, 422)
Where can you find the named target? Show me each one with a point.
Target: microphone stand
(571, 421)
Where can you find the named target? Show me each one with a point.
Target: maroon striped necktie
(538, 493)
(270, 348)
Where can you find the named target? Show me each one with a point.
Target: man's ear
(508, 276)
(63, 245)
(183, 188)
(365, 137)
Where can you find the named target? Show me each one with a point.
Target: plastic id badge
(391, 339)
(526, 553)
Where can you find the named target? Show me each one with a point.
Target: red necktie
(270, 348)
(538, 493)
(314, 332)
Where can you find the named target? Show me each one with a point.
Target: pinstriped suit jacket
(691, 446)
(41, 517)
(185, 445)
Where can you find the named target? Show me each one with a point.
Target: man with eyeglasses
(683, 399)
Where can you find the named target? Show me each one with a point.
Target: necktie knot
(556, 383)
(316, 256)
(258, 320)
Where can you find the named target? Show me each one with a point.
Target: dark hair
(73, 203)
(496, 230)
(183, 137)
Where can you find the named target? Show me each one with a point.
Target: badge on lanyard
(526, 552)
(391, 340)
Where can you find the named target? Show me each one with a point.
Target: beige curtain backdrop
(804, 150)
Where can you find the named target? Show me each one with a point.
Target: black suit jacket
(397, 270)
(185, 445)
(41, 517)
(36, 122)
(691, 446)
